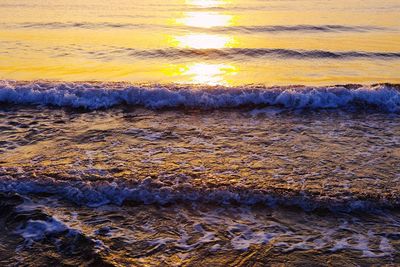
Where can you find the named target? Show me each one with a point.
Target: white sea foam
(100, 193)
(36, 230)
(95, 96)
(241, 231)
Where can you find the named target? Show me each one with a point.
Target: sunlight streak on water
(203, 41)
(207, 3)
(205, 19)
(200, 72)
(136, 41)
(211, 74)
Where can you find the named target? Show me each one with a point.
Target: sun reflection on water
(204, 41)
(205, 73)
(210, 73)
(207, 3)
(205, 19)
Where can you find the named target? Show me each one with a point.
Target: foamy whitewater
(383, 97)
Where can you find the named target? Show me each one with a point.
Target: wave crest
(384, 97)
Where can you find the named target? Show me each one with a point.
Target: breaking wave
(382, 97)
(147, 191)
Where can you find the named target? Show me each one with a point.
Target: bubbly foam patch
(36, 230)
(240, 229)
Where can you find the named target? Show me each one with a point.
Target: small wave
(80, 25)
(225, 29)
(301, 28)
(383, 97)
(99, 193)
(238, 53)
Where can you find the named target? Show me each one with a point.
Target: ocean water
(217, 42)
(199, 133)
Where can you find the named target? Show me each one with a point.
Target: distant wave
(227, 29)
(300, 28)
(111, 52)
(107, 52)
(383, 97)
(237, 53)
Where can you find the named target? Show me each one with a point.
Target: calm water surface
(228, 42)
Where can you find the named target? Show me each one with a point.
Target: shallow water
(262, 186)
(311, 159)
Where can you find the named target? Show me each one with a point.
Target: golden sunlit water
(217, 42)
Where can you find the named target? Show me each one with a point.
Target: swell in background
(218, 42)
